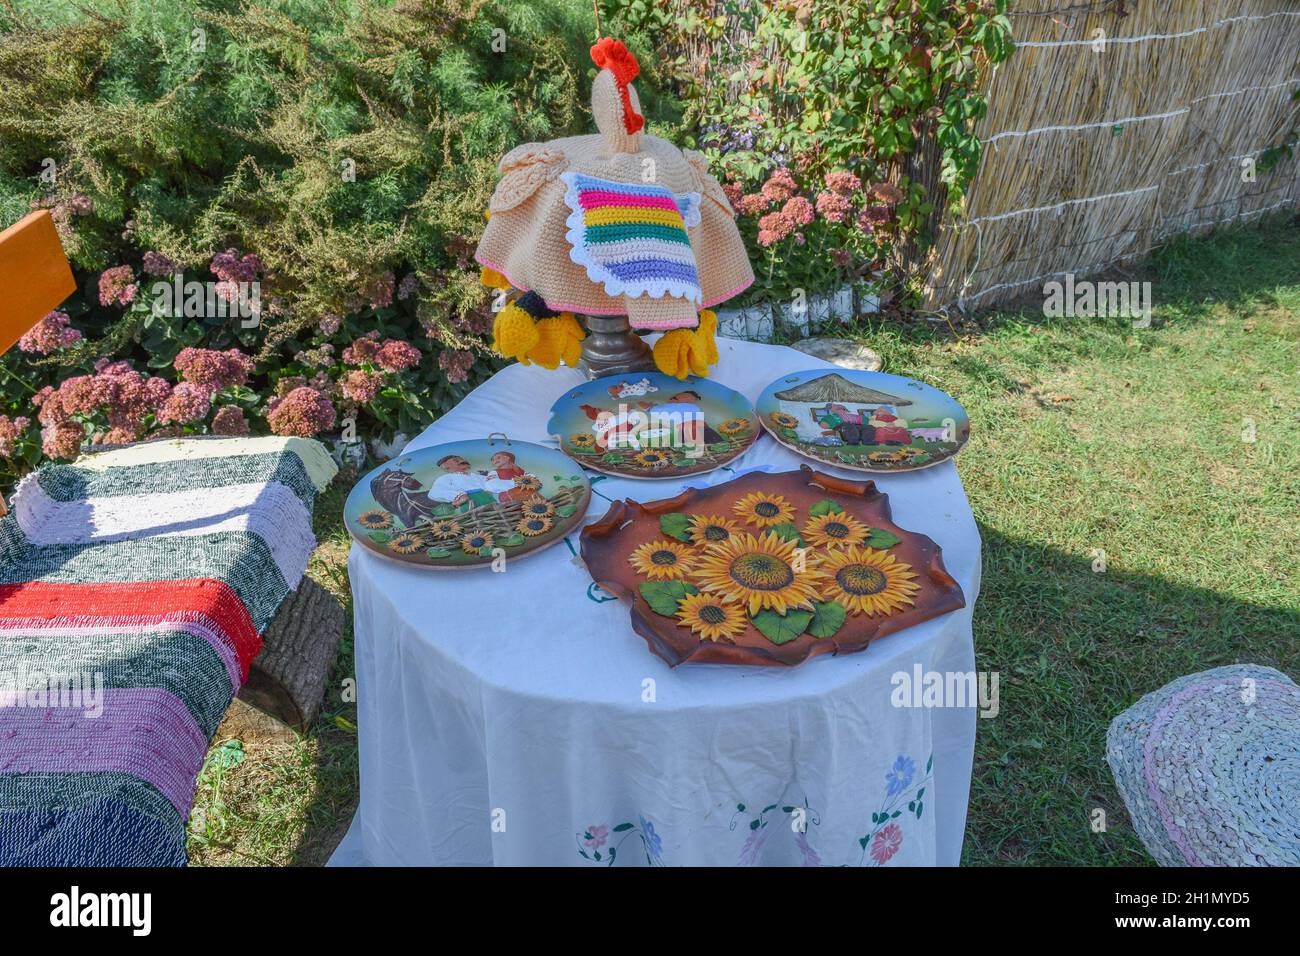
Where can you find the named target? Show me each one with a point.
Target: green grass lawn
(1088, 436)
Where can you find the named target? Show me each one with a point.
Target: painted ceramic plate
(651, 425)
(467, 503)
(768, 568)
(866, 421)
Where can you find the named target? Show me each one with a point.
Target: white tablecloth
(514, 718)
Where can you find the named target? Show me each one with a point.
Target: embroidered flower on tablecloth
(654, 844)
(886, 843)
(596, 836)
(810, 855)
(900, 775)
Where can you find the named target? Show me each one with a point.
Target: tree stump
(287, 679)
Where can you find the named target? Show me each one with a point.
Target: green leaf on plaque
(880, 538)
(782, 628)
(664, 596)
(827, 506)
(827, 618)
(675, 525)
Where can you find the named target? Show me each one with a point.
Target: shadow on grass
(1074, 647)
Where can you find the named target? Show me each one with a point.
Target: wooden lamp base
(612, 348)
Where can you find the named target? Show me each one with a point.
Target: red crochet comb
(610, 54)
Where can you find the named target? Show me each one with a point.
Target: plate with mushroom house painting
(651, 425)
(768, 568)
(866, 421)
(467, 503)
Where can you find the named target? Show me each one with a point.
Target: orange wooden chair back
(35, 276)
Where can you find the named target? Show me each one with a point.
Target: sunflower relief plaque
(767, 569)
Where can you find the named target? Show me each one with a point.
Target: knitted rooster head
(615, 223)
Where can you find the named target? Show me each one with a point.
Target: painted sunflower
(783, 420)
(662, 560)
(582, 440)
(869, 581)
(734, 426)
(650, 458)
(885, 457)
(711, 616)
(835, 530)
(375, 519)
(759, 572)
(538, 508)
(533, 526)
(444, 528)
(529, 481)
(911, 451)
(710, 529)
(406, 544)
(475, 541)
(763, 510)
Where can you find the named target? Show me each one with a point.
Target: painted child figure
(505, 468)
(683, 411)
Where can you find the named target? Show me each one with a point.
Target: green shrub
(349, 146)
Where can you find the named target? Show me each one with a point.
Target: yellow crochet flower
(677, 354)
(559, 339)
(683, 352)
(514, 333)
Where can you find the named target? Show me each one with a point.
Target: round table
(515, 718)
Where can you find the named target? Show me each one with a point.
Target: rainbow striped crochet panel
(631, 238)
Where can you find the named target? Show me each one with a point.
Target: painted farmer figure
(462, 488)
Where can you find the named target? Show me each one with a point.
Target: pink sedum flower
(117, 286)
(752, 204)
(212, 370)
(397, 356)
(456, 363)
(157, 264)
(780, 186)
(798, 210)
(363, 351)
(773, 228)
(62, 440)
(49, 335)
(833, 207)
(11, 430)
(303, 412)
(845, 184)
(361, 386)
(229, 420)
(230, 266)
(187, 404)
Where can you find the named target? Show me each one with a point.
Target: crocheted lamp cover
(616, 223)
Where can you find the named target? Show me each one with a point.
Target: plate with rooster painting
(468, 503)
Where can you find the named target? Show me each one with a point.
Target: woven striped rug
(135, 585)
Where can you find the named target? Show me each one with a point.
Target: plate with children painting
(468, 503)
(864, 421)
(651, 425)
